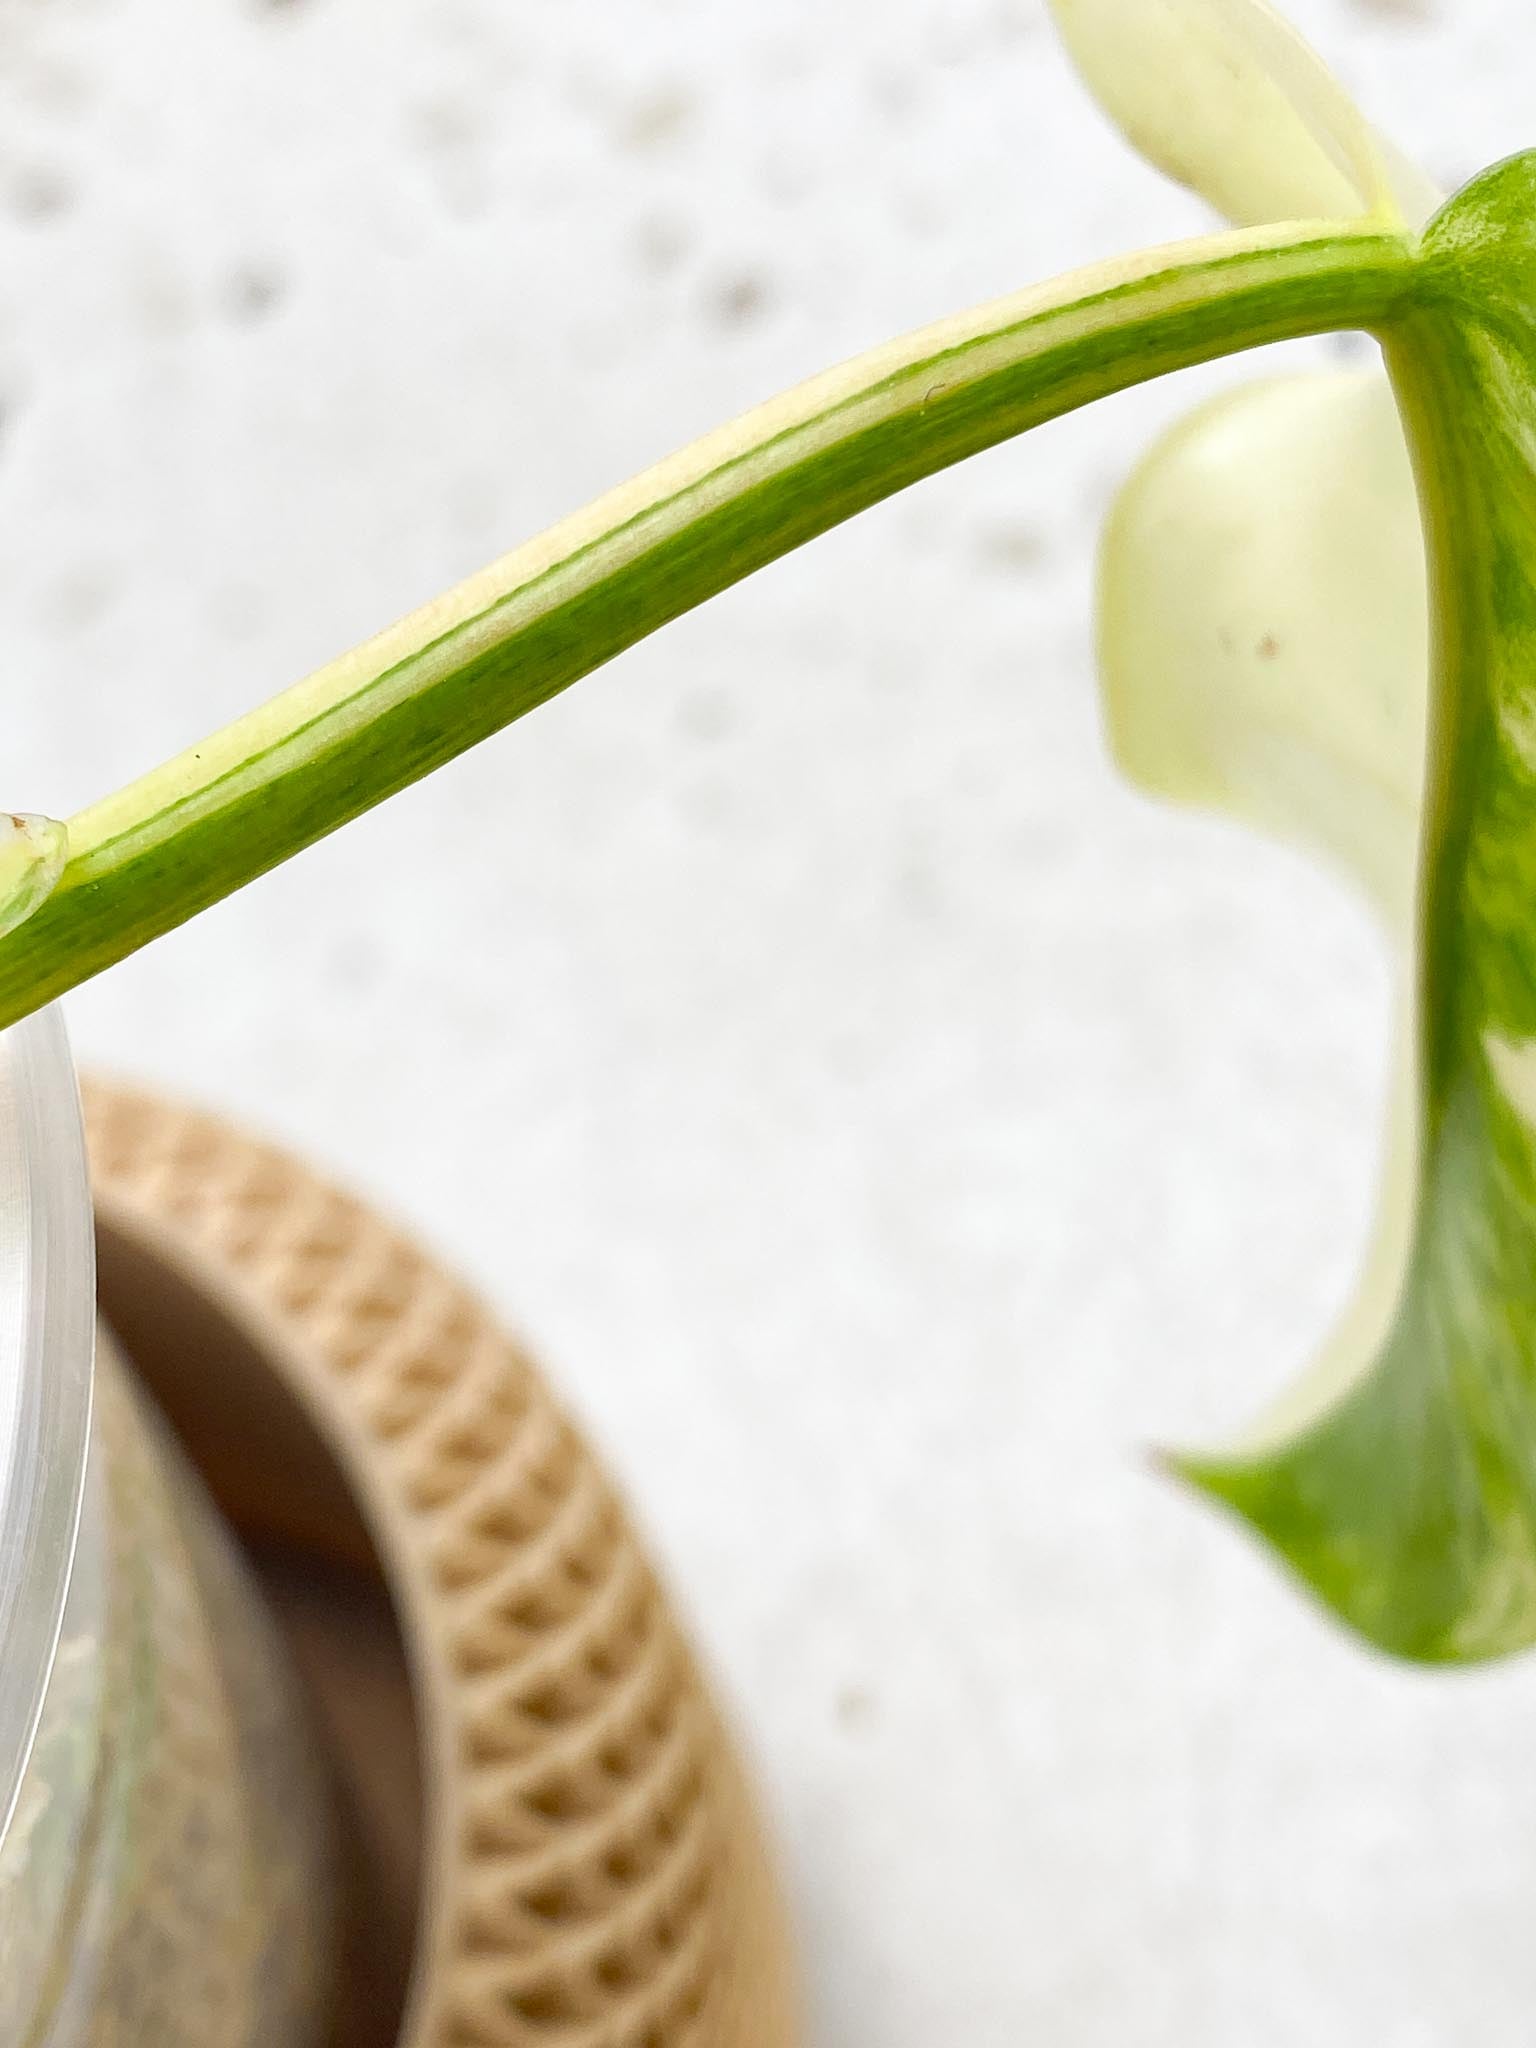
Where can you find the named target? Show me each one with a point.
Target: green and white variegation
(1312, 616)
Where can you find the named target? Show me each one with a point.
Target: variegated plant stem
(507, 639)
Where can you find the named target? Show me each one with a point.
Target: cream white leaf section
(33, 851)
(1514, 1068)
(1264, 622)
(1264, 643)
(1225, 97)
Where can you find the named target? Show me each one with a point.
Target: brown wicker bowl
(551, 1841)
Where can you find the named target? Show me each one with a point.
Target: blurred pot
(163, 1853)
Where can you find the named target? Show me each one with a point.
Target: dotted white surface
(884, 1125)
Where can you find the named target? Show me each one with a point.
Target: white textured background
(883, 1124)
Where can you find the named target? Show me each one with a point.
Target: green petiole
(190, 832)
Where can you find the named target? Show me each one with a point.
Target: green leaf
(1409, 1501)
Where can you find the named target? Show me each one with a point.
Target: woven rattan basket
(553, 1845)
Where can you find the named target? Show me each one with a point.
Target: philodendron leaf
(1263, 632)
(1409, 1501)
(1225, 97)
(1263, 652)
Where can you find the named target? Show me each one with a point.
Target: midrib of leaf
(505, 641)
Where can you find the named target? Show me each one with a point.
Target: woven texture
(594, 1871)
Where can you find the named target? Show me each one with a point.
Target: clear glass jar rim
(47, 1337)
